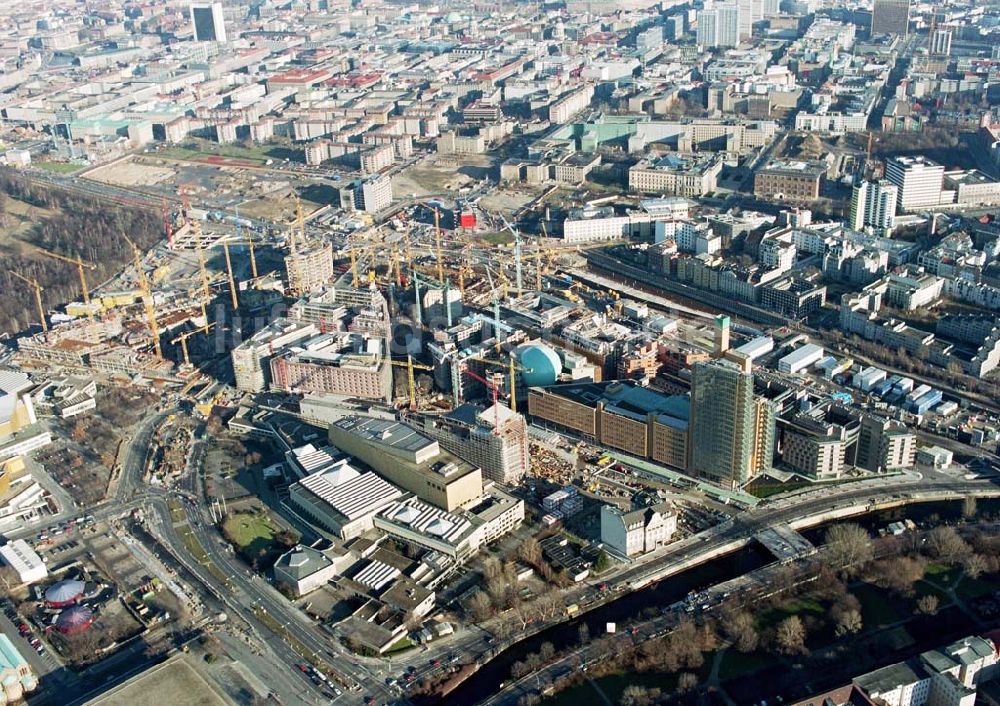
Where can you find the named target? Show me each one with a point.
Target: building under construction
(495, 439)
(309, 269)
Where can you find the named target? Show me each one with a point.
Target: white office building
(918, 181)
(720, 26)
(873, 206)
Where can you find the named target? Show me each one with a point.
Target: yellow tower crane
(394, 266)
(408, 244)
(182, 339)
(300, 226)
(538, 268)
(229, 272)
(411, 382)
(33, 283)
(147, 297)
(502, 276)
(206, 289)
(437, 245)
(80, 265)
(253, 257)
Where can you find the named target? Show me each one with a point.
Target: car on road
(435, 663)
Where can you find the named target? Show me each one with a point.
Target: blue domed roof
(542, 361)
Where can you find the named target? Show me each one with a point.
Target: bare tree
(740, 629)
(928, 605)
(687, 681)
(848, 548)
(898, 574)
(969, 507)
(974, 565)
(480, 606)
(848, 622)
(530, 552)
(790, 636)
(945, 544)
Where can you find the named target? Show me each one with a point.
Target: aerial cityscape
(507, 354)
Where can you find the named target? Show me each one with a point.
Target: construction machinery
(229, 272)
(299, 225)
(411, 383)
(182, 339)
(494, 387)
(249, 238)
(518, 264)
(147, 297)
(206, 289)
(512, 369)
(79, 263)
(437, 245)
(33, 283)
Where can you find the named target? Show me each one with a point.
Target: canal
(629, 607)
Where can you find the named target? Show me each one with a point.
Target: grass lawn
(766, 490)
(876, 607)
(970, 588)
(942, 574)
(736, 663)
(797, 606)
(502, 238)
(403, 644)
(58, 167)
(925, 589)
(250, 532)
(613, 686)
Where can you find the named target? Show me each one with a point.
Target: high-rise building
(873, 205)
(732, 25)
(918, 181)
(941, 42)
(724, 25)
(891, 17)
(370, 195)
(722, 324)
(749, 12)
(732, 430)
(708, 28)
(208, 23)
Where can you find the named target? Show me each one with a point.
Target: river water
(487, 680)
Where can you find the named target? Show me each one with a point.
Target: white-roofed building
(456, 535)
(16, 408)
(377, 575)
(305, 569)
(24, 560)
(423, 524)
(342, 500)
(306, 460)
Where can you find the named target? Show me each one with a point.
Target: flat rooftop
(625, 398)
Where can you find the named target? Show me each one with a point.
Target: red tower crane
(494, 387)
